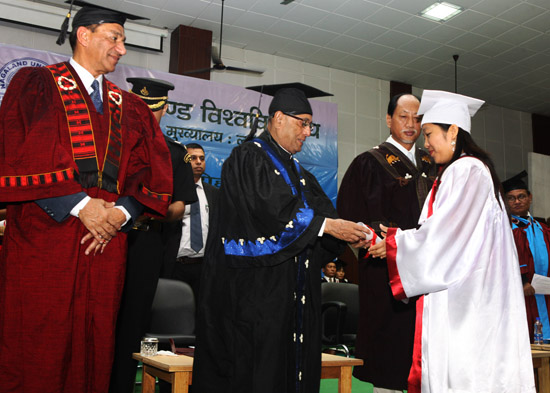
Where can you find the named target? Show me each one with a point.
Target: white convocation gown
(471, 324)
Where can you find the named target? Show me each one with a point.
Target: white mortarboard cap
(448, 108)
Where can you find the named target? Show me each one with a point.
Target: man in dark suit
(329, 272)
(195, 224)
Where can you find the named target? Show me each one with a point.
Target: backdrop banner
(215, 115)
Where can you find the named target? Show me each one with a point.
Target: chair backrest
(346, 293)
(173, 310)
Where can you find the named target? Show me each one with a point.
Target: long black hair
(466, 144)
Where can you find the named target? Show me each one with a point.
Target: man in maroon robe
(532, 237)
(79, 160)
(386, 185)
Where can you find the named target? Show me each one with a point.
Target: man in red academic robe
(532, 237)
(79, 160)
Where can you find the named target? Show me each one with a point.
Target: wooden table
(178, 371)
(541, 363)
(339, 367)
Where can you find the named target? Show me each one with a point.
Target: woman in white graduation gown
(471, 331)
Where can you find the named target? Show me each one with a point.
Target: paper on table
(541, 284)
(166, 353)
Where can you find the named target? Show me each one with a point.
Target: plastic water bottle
(538, 331)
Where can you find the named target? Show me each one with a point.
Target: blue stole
(537, 245)
(293, 230)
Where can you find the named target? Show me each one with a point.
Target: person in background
(329, 272)
(532, 238)
(146, 247)
(90, 158)
(387, 184)
(341, 272)
(463, 264)
(259, 315)
(195, 224)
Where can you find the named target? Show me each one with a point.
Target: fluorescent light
(50, 17)
(441, 11)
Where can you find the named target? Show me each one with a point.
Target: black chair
(340, 315)
(173, 314)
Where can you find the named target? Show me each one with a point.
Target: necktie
(196, 226)
(96, 97)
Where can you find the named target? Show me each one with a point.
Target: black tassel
(254, 126)
(64, 28)
(253, 129)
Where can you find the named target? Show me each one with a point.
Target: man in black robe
(386, 185)
(260, 307)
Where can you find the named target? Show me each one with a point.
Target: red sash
(415, 375)
(82, 134)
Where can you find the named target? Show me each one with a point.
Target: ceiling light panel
(441, 11)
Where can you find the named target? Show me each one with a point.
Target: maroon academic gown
(527, 268)
(58, 306)
(383, 186)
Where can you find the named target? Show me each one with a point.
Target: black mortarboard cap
(289, 98)
(153, 91)
(271, 90)
(91, 14)
(515, 182)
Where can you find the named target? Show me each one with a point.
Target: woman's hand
(378, 250)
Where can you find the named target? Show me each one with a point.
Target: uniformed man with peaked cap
(259, 314)
(151, 246)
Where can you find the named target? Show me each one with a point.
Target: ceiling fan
(217, 58)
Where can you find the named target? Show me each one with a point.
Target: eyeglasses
(305, 122)
(520, 197)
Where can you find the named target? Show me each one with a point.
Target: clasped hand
(103, 222)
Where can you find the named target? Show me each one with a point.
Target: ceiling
(504, 45)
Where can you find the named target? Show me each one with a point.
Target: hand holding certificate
(541, 284)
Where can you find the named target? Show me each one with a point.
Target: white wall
(539, 184)
(362, 104)
(362, 101)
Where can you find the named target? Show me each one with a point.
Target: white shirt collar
(409, 153)
(289, 153)
(86, 77)
(199, 184)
